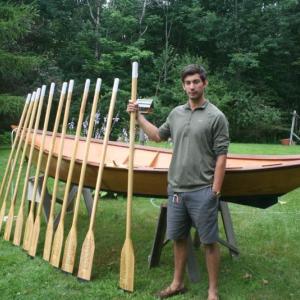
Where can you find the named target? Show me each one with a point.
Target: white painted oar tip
(87, 85)
(43, 90)
(33, 96)
(98, 85)
(71, 85)
(135, 66)
(38, 93)
(28, 98)
(64, 87)
(116, 84)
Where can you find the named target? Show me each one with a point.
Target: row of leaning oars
(29, 225)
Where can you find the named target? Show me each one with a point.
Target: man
(199, 131)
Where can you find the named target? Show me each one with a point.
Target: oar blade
(70, 251)
(48, 240)
(9, 223)
(57, 246)
(127, 266)
(35, 236)
(18, 228)
(27, 232)
(87, 257)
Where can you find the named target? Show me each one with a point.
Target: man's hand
(150, 129)
(132, 107)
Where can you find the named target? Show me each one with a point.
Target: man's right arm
(150, 129)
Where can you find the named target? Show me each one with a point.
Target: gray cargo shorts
(198, 209)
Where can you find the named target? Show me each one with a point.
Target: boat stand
(86, 193)
(192, 265)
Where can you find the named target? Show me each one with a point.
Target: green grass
(237, 148)
(268, 267)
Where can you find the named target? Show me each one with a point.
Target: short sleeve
(220, 135)
(164, 130)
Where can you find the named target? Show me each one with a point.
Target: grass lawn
(268, 267)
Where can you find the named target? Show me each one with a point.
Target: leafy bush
(5, 139)
(10, 111)
(252, 118)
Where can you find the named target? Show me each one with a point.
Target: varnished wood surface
(246, 175)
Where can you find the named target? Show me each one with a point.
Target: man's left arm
(220, 148)
(219, 173)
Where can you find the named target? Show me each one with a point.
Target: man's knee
(211, 248)
(181, 241)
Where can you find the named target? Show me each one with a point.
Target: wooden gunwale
(271, 162)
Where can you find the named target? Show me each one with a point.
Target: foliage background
(251, 49)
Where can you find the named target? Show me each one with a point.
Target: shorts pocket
(213, 195)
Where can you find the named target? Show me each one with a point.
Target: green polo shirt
(198, 137)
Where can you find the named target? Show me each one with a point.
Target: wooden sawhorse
(86, 192)
(192, 265)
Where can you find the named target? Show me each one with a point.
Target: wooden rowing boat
(255, 180)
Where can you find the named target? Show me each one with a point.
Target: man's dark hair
(193, 69)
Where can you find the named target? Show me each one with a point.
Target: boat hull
(249, 180)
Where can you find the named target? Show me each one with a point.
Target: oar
(10, 217)
(12, 171)
(30, 218)
(59, 233)
(88, 246)
(20, 215)
(71, 241)
(37, 222)
(50, 225)
(16, 141)
(127, 254)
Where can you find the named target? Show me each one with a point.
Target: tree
(18, 65)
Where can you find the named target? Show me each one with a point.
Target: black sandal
(168, 292)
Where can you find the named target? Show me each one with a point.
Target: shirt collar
(202, 107)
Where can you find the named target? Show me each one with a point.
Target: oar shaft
(72, 163)
(19, 221)
(59, 234)
(9, 222)
(104, 150)
(42, 146)
(28, 131)
(37, 120)
(61, 147)
(88, 246)
(50, 225)
(127, 262)
(56, 124)
(86, 150)
(131, 151)
(19, 128)
(71, 241)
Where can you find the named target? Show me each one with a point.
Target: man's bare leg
(180, 258)
(212, 256)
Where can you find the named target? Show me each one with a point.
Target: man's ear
(205, 83)
(183, 86)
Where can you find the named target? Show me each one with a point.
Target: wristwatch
(217, 194)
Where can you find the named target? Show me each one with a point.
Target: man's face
(194, 86)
